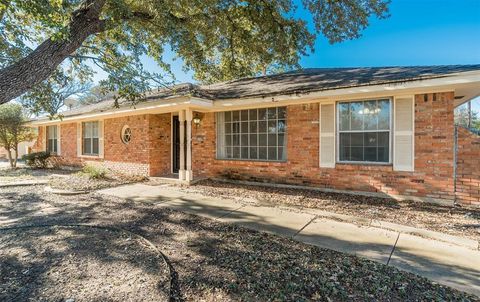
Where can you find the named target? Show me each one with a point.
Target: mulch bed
(79, 264)
(459, 220)
(212, 261)
(22, 173)
(83, 182)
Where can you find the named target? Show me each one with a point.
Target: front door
(176, 144)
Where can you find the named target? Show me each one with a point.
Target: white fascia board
(441, 84)
(161, 106)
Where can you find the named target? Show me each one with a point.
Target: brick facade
(433, 176)
(149, 153)
(160, 148)
(468, 167)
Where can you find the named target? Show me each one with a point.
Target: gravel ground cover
(212, 261)
(79, 264)
(83, 182)
(22, 173)
(459, 220)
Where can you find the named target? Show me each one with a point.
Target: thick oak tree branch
(21, 76)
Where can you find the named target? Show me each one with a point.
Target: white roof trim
(172, 104)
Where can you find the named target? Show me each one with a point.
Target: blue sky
(418, 32)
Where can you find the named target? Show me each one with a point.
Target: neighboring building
(388, 130)
(23, 148)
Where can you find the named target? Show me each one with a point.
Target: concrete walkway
(444, 262)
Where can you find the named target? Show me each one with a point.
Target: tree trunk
(10, 159)
(15, 148)
(21, 76)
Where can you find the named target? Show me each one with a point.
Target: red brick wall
(468, 167)
(433, 176)
(39, 143)
(160, 144)
(148, 151)
(136, 151)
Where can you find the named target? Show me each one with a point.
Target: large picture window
(52, 139)
(90, 138)
(364, 131)
(255, 134)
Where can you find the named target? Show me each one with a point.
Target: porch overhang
(173, 104)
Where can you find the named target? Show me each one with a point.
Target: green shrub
(37, 159)
(94, 172)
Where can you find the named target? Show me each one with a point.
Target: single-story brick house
(388, 130)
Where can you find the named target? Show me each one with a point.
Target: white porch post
(189, 117)
(181, 119)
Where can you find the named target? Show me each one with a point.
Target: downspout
(455, 151)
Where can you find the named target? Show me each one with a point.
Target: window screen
(255, 134)
(364, 131)
(52, 139)
(90, 138)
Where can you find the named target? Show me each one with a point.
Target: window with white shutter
(364, 131)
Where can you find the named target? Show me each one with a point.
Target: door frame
(172, 142)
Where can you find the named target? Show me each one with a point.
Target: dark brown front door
(176, 144)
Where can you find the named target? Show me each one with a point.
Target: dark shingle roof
(300, 81)
(318, 79)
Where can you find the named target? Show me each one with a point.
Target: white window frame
(285, 134)
(390, 131)
(91, 137)
(55, 138)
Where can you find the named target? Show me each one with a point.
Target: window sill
(356, 163)
(88, 156)
(251, 160)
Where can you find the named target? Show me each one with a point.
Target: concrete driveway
(450, 261)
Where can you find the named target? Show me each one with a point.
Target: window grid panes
(364, 131)
(52, 139)
(90, 138)
(255, 134)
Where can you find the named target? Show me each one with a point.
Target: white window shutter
(403, 133)
(327, 135)
(59, 140)
(101, 140)
(79, 139)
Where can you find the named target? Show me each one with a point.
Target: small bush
(94, 172)
(37, 159)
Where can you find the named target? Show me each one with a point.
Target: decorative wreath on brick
(126, 134)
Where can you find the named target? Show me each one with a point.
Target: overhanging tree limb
(44, 60)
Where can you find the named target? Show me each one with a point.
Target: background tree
(217, 39)
(49, 96)
(13, 130)
(462, 117)
(95, 94)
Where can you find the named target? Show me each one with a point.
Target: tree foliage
(49, 96)
(462, 117)
(217, 39)
(13, 130)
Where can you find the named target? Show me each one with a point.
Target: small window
(126, 134)
(52, 139)
(364, 131)
(90, 138)
(255, 134)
